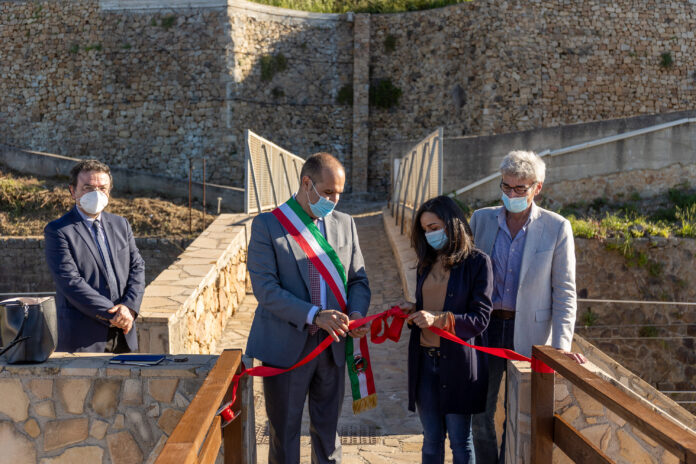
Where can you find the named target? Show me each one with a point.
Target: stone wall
(614, 436)
(23, 261)
(81, 409)
(148, 85)
(186, 307)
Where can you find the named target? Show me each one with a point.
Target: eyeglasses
(518, 189)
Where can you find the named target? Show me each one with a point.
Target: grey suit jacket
(280, 279)
(546, 299)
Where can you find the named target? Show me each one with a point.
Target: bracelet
(316, 315)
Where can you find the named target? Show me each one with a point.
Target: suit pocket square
(542, 315)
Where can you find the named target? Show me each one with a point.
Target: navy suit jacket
(82, 289)
(463, 370)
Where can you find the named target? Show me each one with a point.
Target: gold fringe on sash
(363, 404)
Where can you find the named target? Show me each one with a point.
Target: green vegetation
(360, 6)
(687, 218)
(96, 47)
(666, 60)
(647, 331)
(168, 22)
(384, 94)
(345, 95)
(589, 318)
(272, 65)
(74, 48)
(390, 43)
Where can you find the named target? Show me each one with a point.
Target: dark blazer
(82, 293)
(463, 370)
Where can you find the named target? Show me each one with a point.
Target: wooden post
(232, 437)
(542, 416)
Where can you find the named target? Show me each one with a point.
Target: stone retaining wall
(186, 307)
(23, 261)
(606, 430)
(81, 409)
(148, 85)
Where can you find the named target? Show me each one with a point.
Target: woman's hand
(361, 331)
(423, 319)
(407, 307)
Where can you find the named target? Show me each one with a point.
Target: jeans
(436, 424)
(500, 335)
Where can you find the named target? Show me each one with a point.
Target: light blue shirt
(507, 261)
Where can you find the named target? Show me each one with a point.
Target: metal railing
(271, 175)
(582, 146)
(549, 428)
(198, 435)
(418, 176)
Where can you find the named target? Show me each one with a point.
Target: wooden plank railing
(549, 428)
(197, 437)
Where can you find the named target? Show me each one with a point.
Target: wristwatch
(314, 319)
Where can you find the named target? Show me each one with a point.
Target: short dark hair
(89, 165)
(459, 241)
(315, 164)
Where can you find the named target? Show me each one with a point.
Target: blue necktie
(104, 252)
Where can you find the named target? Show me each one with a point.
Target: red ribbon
(382, 330)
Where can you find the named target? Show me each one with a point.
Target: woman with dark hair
(447, 382)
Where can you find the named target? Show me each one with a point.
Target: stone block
(599, 435)
(60, 433)
(98, 429)
(41, 388)
(119, 422)
(15, 403)
(16, 448)
(132, 392)
(72, 393)
(45, 409)
(631, 450)
(170, 418)
(162, 390)
(123, 449)
(79, 454)
(136, 422)
(588, 405)
(105, 396)
(32, 428)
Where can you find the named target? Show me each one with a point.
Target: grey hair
(524, 165)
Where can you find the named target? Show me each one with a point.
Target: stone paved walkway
(389, 433)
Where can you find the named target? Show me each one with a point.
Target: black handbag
(29, 328)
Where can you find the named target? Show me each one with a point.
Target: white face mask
(94, 202)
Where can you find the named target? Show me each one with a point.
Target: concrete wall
(23, 262)
(468, 159)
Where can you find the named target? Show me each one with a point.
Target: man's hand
(334, 322)
(123, 319)
(577, 357)
(423, 319)
(361, 331)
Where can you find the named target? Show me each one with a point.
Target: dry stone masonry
(147, 85)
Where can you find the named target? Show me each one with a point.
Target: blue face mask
(515, 205)
(323, 207)
(436, 239)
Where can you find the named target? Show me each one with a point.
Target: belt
(431, 351)
(503, 314)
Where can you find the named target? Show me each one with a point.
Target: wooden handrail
(199, 431)
(675, 439)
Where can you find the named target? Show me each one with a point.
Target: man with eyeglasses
(534, 300)
(98, 270)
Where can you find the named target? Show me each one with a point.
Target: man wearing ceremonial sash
(308, 275)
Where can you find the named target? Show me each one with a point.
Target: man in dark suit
(297, 310)
(98, 271)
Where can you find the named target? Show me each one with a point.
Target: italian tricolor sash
(324, 258)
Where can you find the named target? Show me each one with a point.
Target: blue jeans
(436, 424)
(500, 335)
